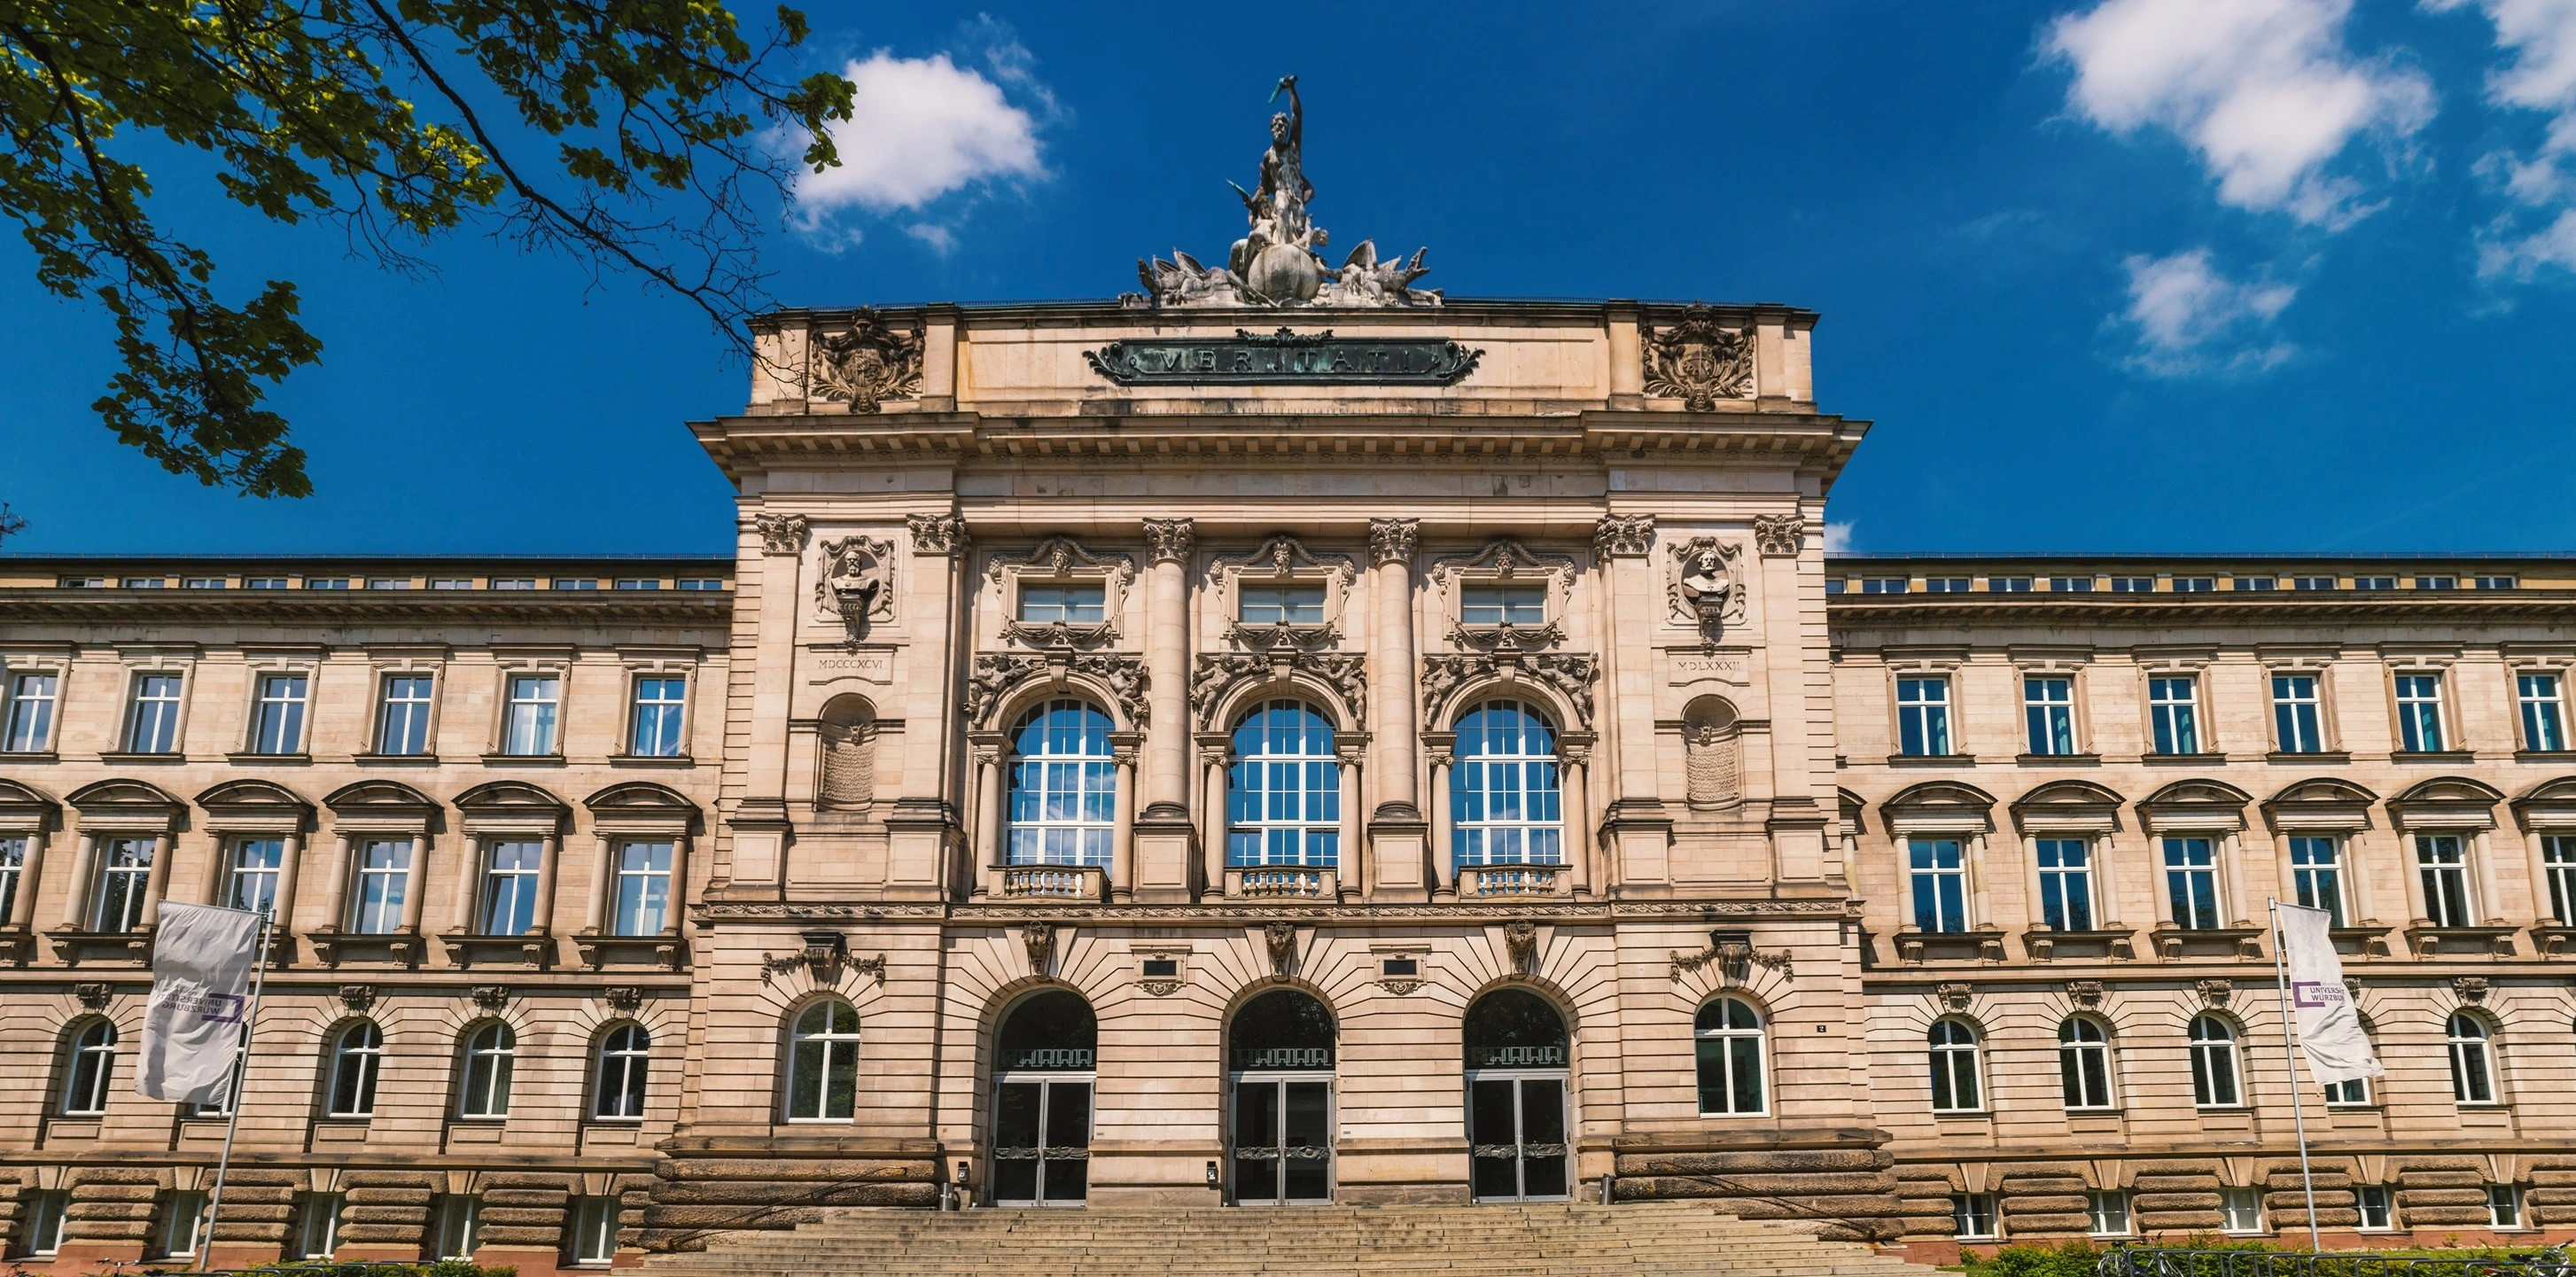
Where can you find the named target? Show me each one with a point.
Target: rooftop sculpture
(1275, 263)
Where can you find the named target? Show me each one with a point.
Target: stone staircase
(1666, 1239)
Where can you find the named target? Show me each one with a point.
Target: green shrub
(2067, 1259)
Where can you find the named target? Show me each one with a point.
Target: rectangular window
(1075, 604)
(529, 730)
(2494, 582)
(83, 583)
(250, 873)
(2297, 726)
(661, 709)
(2419, 712)
(2558, 863)
(2544, 720)
(31, 713)
(326, 583)
(1939, 874)
(2437, 583)
(2354, 1093)
(460, 1225)
(2191, 883)
(13, 867)
(2312, 583)
(2444, 864)
(2374, 583)
(124, 878)
(153, 728)
(701, 583)
(2240, 1210)
(318, 1230)
(2133, 585)
(2195, 584)
(1882, 585)
(594, 1232)
(2254, 583)
(263, 583)
(145, 583)
(1501, 605)
(1923, 716)
(451, 583)
(2008, 584)
(2504, 1205)
(183, 1220)
(404, 729)
(2048, 706)
(514, 583)
(643, 887)
(45, 1211)
(638, 583)
(2173, 707)
(2316, 872)
(576, 583)
(1973, 1214)
(2106, 1212)
(277, 720)
(510, 887)
(388, 583)
(1944, 585)
(2372, 1202)
(384, 877)
(1834, 585)
(1304, 604)
(202, 583)
(2070, 585)
(2066, 883)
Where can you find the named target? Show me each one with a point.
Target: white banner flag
(201, 966)
(2329, 1028)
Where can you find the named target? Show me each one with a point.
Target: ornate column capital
(1391, 540)
(1170, 540)
(780, 533)
(1623, 535)
(937, 533)
(1778, 536)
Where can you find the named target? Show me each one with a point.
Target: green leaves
(374, 117)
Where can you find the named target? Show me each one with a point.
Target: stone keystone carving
(856, 584)
(1623, 534)
(780, 533)
(936, 533)
(870, 363)
(2471, 988)
(2215, 992)
(1170, 540)
(1038, 938)
(2085, 993)
(1952, 997)
(1391, 540)
(1281, 937)
(92, 994)
(491, 997)
(1696, 361)
(1779, 536)
(1521, 937)
(357, 997)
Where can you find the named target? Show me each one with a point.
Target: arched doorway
(1516, 1098)
(1279, 1067)
(1043, 1062)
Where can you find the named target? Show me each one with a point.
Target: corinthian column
(1167, 674)
(1396, 830)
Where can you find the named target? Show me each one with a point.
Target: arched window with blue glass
(1504, 793)
(1284, 794)
(1064, 786)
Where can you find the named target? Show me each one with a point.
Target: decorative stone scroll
(781, 533)
(857, 585)
(869, 363)
(1219, 672)
(1696, 361)
(1623, 535)
(1779, 536)
(995, 673)
(1570, 673)
(937, 533)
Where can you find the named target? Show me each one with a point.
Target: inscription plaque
(1283, 358)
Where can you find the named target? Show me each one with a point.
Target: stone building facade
(1131, 758)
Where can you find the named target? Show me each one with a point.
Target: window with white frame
(46, 1209)
(2493, 582)
(89, 1063)
(643, 900)
(2375, 1206)
(2240, 1210)
(183, 1223)
(2191, 883)
(277, 715)
(2312, 583)
(1972, 1215)
(2472, 1049)
(2504, 1206)
(2298, 723)
(1937, 878)
(2106, 1212)
(823, 1064)
(1295, 604)
(2544, 719)
(2374, 583)
(317, 1232)
(2558, 864)
(2083, 1063)
(152, 726)
(1078, 604)
(31, 713)
(2065, 883)
(402, 727)
(2173, 711)
(1953, 1056)
(2213, 1063)
(1945, 585)
(1727, 1037)
(1883, 585)
(2070, 585)
(13, 870)
(1923, 716)
(2254, 583)
(2195, 584)
(1502, 605)
(2133, 585)
(384, 879)
(2437, 582)
(1063, 787)
(460, 1225)
(124, 881)
(510, 871)
(2008, 584)
(2316, 874)
(594, 1231)
(2419, 713)
(661, 708)
(491, 1051)
(251, 873)
(2442, 863)
(618, 1088)
(1284, 792)
(2349, 1093)
(357, 1055)
(1505, 807)
(2048, 708)
(528, 725)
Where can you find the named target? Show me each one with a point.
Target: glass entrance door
(1516, 1136)
(1283, 1139)
(1041, 1140)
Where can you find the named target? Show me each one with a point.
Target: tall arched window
(1730, 1057)
(624, 1055)
(2213, 1063)
(1284, 802)
(2084, 1063)
(823, 1064)
(356, 1057)
(89, 1061)
(1064, 786)
(1503, 796)
(2472, 1060)
(489, 1053)
(1954, 1067)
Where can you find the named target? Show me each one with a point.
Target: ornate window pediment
(1939, 805)
(1283, 561)
(1504, 563)
(1061, 561)
(2068, 806)
(2446, 802)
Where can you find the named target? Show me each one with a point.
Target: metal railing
(2152, 1261)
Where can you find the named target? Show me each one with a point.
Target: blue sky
(2179, 275)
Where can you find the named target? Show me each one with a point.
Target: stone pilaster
(922, 831)
(1165, 838)
(1639, 829)
(1397, 832)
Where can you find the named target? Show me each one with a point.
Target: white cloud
(1838, 537)
(2541, 37)
(922, 129)
(2191, 319)
(2264, 91)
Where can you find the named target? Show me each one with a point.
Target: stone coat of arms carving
(870, 363)
(1696, 361)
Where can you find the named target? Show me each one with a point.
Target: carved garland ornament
(1570, 673)
(1779, 536)
(995, 674)
(1218, 673)
(870, 363)
(1696, 361)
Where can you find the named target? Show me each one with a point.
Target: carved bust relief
(1283, 595)
(1705, 585)
(1060, 594)
(1505, 597)
(855, 583)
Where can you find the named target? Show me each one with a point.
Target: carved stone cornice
(869, 362)
(1569, 673)
(994, 674)
(1219, 672)
(1170, 540)
(1358, 914)
(1623, 535)
(1058, 633)
(937, 533)
(1696, 361)
(1392, 540)
(781, 533)
(1506, 638)
(1779, 536)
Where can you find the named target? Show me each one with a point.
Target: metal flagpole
(2290, 1056)
(233, 1098)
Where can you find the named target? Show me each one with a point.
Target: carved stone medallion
(1696, 361)
(1705, 584)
